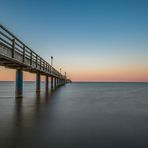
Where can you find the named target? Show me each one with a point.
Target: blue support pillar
(38, 82)
(46, 83)
(57, 82)
(19, 83)
(62, 82)
(51, 83)
(55, 85)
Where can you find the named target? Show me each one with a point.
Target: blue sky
(83, 35)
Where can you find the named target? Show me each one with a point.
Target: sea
(76, 115)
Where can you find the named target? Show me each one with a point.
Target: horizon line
(85, 81)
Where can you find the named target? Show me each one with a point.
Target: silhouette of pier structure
(15, 54)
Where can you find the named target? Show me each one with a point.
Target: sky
(92, 40)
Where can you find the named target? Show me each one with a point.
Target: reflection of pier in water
(23, 118)
(15, 54)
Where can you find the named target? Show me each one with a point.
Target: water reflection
(77, 115)
(28, 108)
(21, 118)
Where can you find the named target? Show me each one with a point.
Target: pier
(16, 55)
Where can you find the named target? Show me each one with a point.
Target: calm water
(77, 115)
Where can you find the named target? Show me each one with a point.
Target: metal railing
(23, 54)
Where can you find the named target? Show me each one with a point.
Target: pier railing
(13, 48)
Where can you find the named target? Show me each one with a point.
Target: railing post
(13, 47)
(23, 53)
(40, 63)
(19, 83)
(30, 57)
(48, 69)
(36, 61)
(43, 65)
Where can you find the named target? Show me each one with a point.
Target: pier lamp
(51, 60)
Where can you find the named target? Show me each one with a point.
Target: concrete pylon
(19, 83)
(38, 82)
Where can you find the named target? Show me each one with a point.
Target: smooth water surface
(77, 115)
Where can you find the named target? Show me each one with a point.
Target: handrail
(11, 41)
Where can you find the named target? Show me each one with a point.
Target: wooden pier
(15, 54)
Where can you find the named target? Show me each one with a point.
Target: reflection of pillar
(57, 82)
(46, 82)
(55, 79)
(38, 82)
(51, 82)
(19, 83)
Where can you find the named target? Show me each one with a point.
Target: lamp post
(51, 61)
(51, 73)
(60, 75)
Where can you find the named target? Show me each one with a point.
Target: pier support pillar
(38, 82)
(55, 84)
(19, 83)
(46, 83)
(60, 82)
(51, 83)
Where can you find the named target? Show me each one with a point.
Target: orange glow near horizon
(9, 75)
(113, 74)
(99, 75)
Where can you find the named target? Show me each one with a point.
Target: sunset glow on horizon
(125, 75)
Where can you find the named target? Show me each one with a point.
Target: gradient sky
(92, 40)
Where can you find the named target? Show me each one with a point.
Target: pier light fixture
(51, 60)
